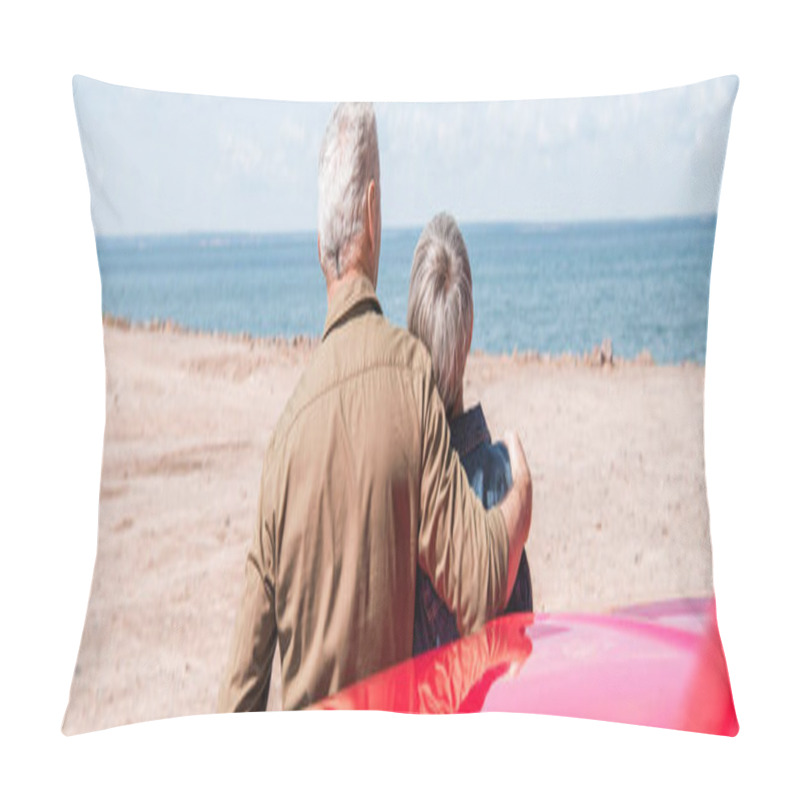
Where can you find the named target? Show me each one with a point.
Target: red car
(659, 664)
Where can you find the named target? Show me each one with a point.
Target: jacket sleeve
(462, 547)
(245, 685)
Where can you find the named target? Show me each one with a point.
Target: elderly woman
(440, 315)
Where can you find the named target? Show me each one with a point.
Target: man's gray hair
(440, 303)
(348, 161)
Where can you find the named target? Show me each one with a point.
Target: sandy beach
(619, 499)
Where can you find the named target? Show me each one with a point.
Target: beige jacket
(359, 485)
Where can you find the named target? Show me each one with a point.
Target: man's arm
(245, 685)
(516, 507)
(469, 553)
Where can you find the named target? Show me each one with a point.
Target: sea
(550, 288)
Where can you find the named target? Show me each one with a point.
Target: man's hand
(517, 506)
(519, 464)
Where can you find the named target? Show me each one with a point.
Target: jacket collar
(469, 430)
(354, 296)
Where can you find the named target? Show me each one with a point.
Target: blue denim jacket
(489, 471)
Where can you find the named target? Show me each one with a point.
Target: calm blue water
(550, 288)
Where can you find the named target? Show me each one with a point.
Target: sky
(174, 163)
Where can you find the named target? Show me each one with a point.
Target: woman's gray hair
(348, 161)
(440, 303)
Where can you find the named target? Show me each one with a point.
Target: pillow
(589, 225)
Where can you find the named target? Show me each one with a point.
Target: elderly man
(359, 483)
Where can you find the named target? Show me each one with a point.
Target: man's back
(359, 486)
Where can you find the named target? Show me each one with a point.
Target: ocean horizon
(554, 288)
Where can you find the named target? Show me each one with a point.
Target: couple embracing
(388, 523)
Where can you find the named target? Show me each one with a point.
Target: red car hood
(660, 664)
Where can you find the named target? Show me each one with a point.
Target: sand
(619, 499)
